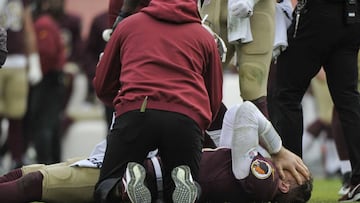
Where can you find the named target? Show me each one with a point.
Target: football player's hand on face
(286, 160)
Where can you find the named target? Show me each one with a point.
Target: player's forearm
(268, 136)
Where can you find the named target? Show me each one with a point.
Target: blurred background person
(341, 146)
(93, 46)
(70, 27)
(21, 69)
(45, 102)
(253, 50)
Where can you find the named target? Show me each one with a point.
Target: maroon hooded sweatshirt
(163, 53)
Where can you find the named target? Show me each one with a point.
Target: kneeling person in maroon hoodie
(161, 71)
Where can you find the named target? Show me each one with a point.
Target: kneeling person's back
(166, 55)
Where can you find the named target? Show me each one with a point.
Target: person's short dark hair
(297, 194)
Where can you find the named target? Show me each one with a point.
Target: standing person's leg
(271, 87)
(15, 96)
(342, 150)
(290, 85)
(43, 118)
(322, 124)
(342, 147)
(32, 122)
(339, 138)
(254, 58)
(342, 74)
(295, 68)
(55, 89)
(216, 12)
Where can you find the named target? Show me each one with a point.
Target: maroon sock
(218, 121)
(261, 104)
(316, 127)
(12, 175)
(26, 189)
(16, 140)
(215, 125)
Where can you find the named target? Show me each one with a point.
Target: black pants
(322, 40)
(134, 134)
(43, 117)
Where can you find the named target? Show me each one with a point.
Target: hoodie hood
(174, 11)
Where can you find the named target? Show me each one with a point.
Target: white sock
(345, 166)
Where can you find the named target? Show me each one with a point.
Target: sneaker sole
(136, 189)
(354, 199)
(185, 189)
(354, 192)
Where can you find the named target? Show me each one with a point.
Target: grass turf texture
(325, 190)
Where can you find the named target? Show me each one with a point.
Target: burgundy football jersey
(218, 182)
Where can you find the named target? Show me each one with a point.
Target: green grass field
(325, 190)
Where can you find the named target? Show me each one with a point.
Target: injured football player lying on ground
(250, 164)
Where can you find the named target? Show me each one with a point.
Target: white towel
(239, 29)
(283, 17)
(96, 157)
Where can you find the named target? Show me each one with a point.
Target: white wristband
(35, 72)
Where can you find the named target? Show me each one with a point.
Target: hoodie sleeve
(214, 80)
(107, 74)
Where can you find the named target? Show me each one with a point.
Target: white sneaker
(135, 187)
(352, 196)
(345, 188)
(185, 188)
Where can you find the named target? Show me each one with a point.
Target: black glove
(3, 50)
